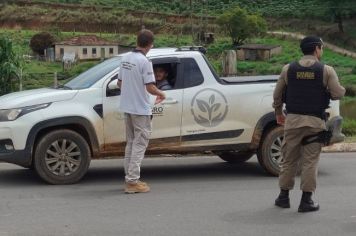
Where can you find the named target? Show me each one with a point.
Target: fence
(40, 80)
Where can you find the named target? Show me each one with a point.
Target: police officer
(306, 87)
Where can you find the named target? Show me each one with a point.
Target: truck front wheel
(62, 157)
(269, 154)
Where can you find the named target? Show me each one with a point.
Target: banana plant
(10, 67)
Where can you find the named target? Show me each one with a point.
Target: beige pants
(294, 152)
(138, 131)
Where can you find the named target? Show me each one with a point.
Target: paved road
(190, 196)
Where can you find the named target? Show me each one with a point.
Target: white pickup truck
(58, 131)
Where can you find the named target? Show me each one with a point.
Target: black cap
(310, 41)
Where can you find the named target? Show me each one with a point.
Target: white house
(86, 47)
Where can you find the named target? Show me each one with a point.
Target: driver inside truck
(161, 75)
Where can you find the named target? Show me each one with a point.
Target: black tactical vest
(305, 93)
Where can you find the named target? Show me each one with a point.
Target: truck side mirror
(113, 85)
(112, 89)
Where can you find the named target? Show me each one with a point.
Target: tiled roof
(86, 40)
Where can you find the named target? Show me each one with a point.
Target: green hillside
(294, 8)
(319, 17)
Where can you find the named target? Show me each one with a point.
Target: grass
(349, 124)
(41, 74)
(351, 139)
(346, 100)
(349, 127)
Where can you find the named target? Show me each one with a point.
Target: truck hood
(35, 96)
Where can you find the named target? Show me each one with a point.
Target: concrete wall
(78, 50)
(257, 54)
(276, 51)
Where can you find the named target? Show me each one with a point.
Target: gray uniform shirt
(136, 72)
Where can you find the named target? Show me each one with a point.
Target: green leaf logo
(209, 107)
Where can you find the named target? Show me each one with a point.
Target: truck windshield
(94, 74)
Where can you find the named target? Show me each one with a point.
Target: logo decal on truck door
(209, 107)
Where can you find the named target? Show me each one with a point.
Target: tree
(240, 25)
(338, 10)
(10, 67)
(41, 41)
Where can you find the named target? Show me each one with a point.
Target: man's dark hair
(165, 67)
(309, 43)
(144, 38)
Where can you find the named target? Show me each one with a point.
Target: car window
(94, 74)
(192, 74)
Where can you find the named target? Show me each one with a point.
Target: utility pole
(202, 25)
(20, 80)
(55, 82)
(191, 19)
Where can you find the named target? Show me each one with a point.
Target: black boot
(283, 199)
(307, 204)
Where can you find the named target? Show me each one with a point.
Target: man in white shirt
(137, 82)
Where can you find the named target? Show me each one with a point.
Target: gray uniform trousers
(294, 152)
(138, 131)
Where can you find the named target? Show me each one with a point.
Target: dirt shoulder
(341, 147)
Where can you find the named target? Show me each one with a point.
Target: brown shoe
(139, 187)
(142, 183)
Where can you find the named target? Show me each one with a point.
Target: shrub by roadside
(349, 127)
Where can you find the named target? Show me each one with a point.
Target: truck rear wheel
(234, 157)
(62, 157)
(269, 154)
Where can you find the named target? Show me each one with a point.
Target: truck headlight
(13, 114)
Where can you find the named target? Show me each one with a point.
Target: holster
(323, 137)
(330, 136)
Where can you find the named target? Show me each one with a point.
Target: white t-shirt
(136, 72)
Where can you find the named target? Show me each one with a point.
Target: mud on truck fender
(267, 139)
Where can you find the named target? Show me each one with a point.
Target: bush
(353, 71)
(240, 25)
(350, 90)
(349, 127)
(39, 42)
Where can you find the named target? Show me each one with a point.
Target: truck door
(167, 115)
(206, 119)
(114, 123)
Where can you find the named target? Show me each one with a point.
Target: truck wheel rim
(275, 152)
(63, 157)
